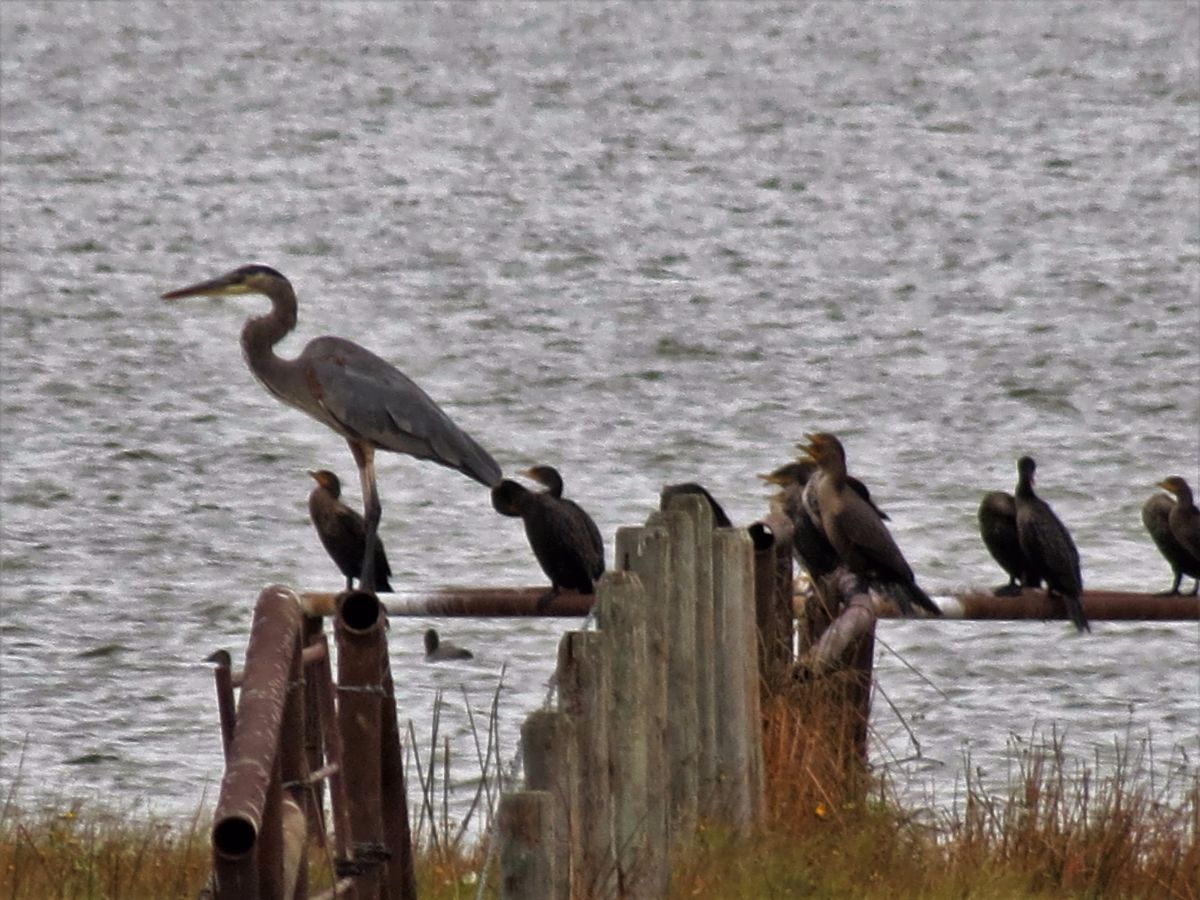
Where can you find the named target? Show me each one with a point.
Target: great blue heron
(854, 527)
(365, 399)
(1175, 527)
(343, 532)
(1047, 546)
(564, 538)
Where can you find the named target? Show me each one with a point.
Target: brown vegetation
(1060, 829)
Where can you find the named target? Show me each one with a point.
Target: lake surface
(644, 243)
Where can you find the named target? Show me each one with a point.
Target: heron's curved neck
(260, 334)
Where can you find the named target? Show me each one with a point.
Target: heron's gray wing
(374, 401)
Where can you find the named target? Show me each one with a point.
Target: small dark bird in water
(998, 528)
(720, 519)
(1049, 551)
(436, 651)
(1175, 527)
(343, 532)
(564, 538)
(856, 531)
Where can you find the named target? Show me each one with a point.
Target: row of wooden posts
(656, 729)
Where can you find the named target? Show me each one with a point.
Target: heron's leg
(364, 457)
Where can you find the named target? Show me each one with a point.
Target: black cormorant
(1049, 552)
(855, 530)
(1175, 527)
(343, 531)
(998, 528)
(564, 538)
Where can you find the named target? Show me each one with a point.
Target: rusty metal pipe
(772, 537)
(466, 602)
(226, 701)
(1100, 606)
(359, 628)
(251, 768)
(339, 804)
(397, 834)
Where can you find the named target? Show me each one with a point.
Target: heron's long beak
(231, 283)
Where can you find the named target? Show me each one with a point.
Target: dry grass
(78, 852)
(1060, 830)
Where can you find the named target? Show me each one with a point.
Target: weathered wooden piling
(621, 613)
(707, 782)
(548, 751)
(683, 713)
(646, 552)
(737, 695)
(584, 694)
(525, 822)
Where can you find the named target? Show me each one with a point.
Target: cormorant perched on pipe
(360, 396)
(998, 528)
(343, 532)
(811, 547)
(1049, 551)
(564, 538)
(1175, 527)
(855, 530)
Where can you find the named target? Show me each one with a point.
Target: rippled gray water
(645, 243)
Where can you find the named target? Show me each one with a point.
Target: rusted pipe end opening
(762, 536)
(234, 836)
(360, 610)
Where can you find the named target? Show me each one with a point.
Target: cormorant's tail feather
(922, 599)
(906, 594)
(1075, 611)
